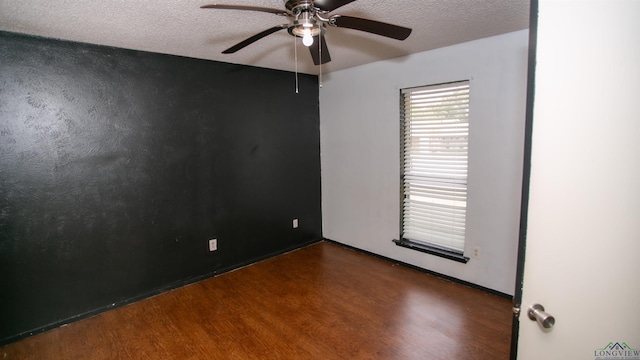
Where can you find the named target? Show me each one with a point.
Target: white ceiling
(180, 27)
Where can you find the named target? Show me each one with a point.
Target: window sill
(432, 250)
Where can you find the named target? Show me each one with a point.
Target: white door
(582, 259)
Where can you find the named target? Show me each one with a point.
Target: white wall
(360, 151)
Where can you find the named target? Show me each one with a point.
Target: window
(435, 134)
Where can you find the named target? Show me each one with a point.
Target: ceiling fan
(308, 19)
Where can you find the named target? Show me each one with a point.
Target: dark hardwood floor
(321, 302)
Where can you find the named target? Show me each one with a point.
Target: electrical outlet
(295, 223)
(476, 253)
(213, 244)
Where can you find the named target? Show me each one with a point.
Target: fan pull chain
(320, 56)
(295, 50)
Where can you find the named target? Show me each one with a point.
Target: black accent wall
(117, 166)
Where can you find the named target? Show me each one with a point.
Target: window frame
(422, 245)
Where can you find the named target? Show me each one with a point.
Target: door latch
(516, 311)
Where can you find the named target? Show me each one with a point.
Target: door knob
(536, 313)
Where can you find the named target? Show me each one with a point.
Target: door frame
(526, 174)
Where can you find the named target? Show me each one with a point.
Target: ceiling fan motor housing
(292, 4)
(305, 21)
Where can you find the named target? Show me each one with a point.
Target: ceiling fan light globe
(307, 39)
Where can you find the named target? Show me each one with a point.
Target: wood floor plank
(321, 302)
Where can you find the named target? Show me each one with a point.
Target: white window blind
(435, 151)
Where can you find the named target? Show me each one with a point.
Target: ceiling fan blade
(253, 39)
(372, 26)
(330, 5)
(244, 7)
(314, 49)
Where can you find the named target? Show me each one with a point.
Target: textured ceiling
(182, 28)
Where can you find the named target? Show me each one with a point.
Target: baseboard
(423, 270)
